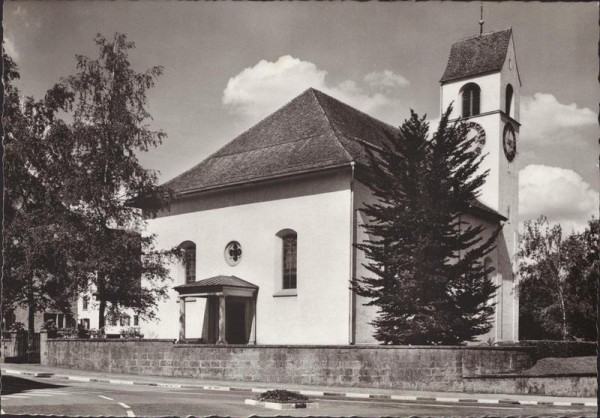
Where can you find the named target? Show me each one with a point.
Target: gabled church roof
(477, 55)
(314, 131)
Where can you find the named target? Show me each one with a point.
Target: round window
(233, 253)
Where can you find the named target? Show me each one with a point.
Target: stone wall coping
(528, 376)
(113, 340)
(320, 347)
(362, 347)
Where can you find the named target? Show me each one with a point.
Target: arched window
(470, 100)
(289, 244)
(508, 98)
(189, 261)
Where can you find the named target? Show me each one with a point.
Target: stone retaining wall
(578, 386)
(416, 368)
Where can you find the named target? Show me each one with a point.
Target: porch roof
(214, 284)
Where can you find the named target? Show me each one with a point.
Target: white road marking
(404, 398)
(121, 382)
(447, 399)
(127, 409)
(357, 395)
(590, 403)
(223, 388)
(169, 385)
(488, 400)
(528, 402)
(312, 393)
(106, 397)
(424, 404)
(15, 396)
(47, 392)
(79, 378)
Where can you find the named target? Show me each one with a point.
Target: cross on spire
(481, 18)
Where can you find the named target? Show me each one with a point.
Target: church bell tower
(482, 82)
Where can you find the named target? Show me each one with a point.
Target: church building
(268, 222)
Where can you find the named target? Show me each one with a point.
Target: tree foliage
(39, 258)
(74, 156)
(425, 262)
(558, 281)
(110, 125)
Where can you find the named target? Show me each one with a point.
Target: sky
(229, 64)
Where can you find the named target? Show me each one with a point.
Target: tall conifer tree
(427, 275)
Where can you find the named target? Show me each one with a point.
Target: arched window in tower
(189, 260)
(508, 99)
(471, 94)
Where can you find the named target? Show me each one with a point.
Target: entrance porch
(229, 315)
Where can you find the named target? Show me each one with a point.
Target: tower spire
(481, 18)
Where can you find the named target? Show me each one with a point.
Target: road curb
(315, 393)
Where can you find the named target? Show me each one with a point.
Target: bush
(97, 333)
(562, 349)
(67, 333)
(131, 332)
(17, 326)
(281, 395)
(82, 332)
(50, 327)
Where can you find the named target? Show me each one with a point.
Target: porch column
(181, 319)
(252, 313)
(222, 318)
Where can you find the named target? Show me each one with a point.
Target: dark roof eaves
(445, 80)
(261, 179)
(486, 212)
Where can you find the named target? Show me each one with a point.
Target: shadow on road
(12, 384)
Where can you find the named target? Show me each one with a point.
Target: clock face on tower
(509, 141)
(475, 131)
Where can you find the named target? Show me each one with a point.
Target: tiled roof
(214, 283)
(477, 55)
(314, 131)
(482, 209)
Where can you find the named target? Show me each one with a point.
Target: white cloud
(9, 47)
(260, 90)
(25, 18)
(546, 120)
(558, 193)
(386, 79)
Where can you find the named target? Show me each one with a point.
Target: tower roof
(314, 131)
(478, 54)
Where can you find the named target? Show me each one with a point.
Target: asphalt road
(48, 396)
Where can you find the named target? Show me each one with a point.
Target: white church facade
(268, 223)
